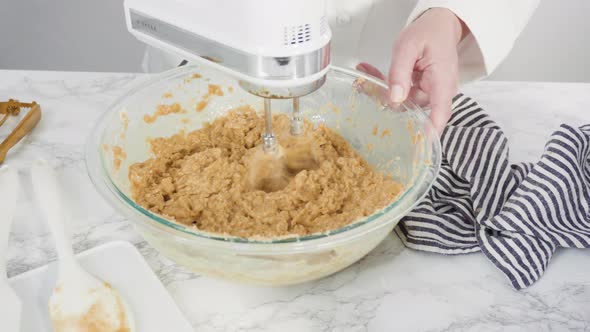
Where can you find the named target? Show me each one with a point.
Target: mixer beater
(270, 142)
(296, 119)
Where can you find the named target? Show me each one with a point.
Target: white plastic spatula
(10, 304)
(80, 301)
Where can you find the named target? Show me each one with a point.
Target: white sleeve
(494, 25)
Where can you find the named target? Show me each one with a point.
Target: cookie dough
(210, 179)
(163, 110)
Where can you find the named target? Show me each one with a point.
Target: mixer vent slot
(297, 34)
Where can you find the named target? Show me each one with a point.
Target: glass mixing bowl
(398, 140)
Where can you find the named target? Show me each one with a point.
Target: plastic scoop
(80, 301)
(10, 303)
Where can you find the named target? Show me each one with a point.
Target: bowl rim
(106, 187)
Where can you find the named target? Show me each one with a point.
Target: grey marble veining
(392, 288)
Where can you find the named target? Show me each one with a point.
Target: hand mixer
(276, 49)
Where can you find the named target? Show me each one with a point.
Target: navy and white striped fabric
(517, 215)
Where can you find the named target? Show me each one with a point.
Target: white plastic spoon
(80, 301)
(10, 303)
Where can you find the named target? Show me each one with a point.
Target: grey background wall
(77, 35)
(87, 35)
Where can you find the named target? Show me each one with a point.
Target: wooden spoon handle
(23, 128)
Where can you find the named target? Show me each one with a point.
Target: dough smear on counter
(203, 179)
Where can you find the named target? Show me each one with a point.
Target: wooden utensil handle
(23, 128)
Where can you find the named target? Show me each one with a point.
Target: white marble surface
(393, 288)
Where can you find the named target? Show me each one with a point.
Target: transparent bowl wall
(409, 150)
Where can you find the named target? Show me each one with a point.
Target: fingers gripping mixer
(274, 48)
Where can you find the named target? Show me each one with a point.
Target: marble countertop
(393, 288)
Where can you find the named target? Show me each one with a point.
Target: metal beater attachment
(296, 119)
(269, 140)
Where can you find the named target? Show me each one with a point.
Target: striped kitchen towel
(518, 214)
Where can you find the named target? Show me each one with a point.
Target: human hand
(424, 63)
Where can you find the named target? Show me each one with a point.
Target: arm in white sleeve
(494, 27)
